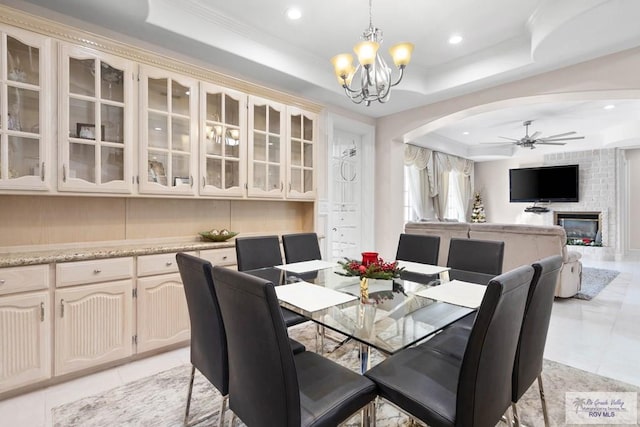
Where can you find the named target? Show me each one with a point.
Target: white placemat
(310, 297)
(456, 292)
(416, 267)
(306, 266)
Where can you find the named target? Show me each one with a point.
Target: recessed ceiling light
(609, 107)
(455, 39)
(294, 13)
(465, 133)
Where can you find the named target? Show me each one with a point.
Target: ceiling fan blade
(535, 135)
(558, 135)
(496, 143)
(561, 139)
(510, 139)
(550, 143)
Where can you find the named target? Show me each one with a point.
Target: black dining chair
(418, 248)
(300, 247)
(443, 390)
(421, 249)
(260, 252)
(533, 334)
(257, 252)
(472, 260)
(208, 337)
(268, 384)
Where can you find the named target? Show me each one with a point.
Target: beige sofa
(523, 244)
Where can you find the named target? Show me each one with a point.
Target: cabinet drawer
(82, 272)
(158, 264)
(226, 256)
(20, 279)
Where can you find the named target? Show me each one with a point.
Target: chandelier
(371, 79)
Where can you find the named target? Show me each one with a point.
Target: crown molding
(65, 33)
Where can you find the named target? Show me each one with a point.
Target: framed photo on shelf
(88, 131)
(156, 172)
(180, 180)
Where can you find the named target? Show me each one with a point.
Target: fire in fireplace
(581, 227)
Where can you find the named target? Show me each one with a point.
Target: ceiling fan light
(366, 51)
(401, 53)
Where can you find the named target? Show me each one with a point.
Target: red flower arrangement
(371, 267)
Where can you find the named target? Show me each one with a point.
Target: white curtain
(420, 182)
(429, 185)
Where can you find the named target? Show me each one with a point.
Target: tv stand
(536, 209)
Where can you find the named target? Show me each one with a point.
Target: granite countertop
(66, 253)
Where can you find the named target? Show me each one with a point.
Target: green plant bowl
(207, 236)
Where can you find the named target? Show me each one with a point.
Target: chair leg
(516, 417)
(543, 401)
(223, 408)
(186, 412)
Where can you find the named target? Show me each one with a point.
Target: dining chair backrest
(418, 248)
(479, 256)
(300, 247)
(257, 252)
(263, 382)
(533, 335)
(484, 384)
(208, 336)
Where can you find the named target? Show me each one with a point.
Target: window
(409, 214)
(454, 210)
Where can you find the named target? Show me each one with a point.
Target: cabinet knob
(1, 281)
(224, 257)
(169, 263)
(97, 271)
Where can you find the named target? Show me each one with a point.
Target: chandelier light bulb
(342, 65)
(401, 54)
(366, 51)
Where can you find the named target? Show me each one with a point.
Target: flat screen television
(544, 184)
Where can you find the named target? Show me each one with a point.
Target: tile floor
(600, 336)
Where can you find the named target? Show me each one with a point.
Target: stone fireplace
(582, 228)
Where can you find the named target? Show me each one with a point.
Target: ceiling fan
(530, 141)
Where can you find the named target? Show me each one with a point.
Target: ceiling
(254, 40)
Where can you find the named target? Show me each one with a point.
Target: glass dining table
(393, 318)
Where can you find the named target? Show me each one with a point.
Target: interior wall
(633, 165)
(491, 179)
(42, 220)
(609, 76)
(597, 193)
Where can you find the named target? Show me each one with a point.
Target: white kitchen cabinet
(25, 327)
(267, 144)
(161, 306)
(93, 325)
(302, 130)
(93, 313)
(25, 107)
(223, 141)
(95, 128)
(168, 132)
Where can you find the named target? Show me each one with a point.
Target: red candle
(369, 257)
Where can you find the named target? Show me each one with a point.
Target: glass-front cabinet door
(95, 126)
(223, 141)
(25, 112)
(301, 137)
(168, 132)
(267, 127)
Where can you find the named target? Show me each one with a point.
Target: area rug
(159, 400)
(593, 281)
